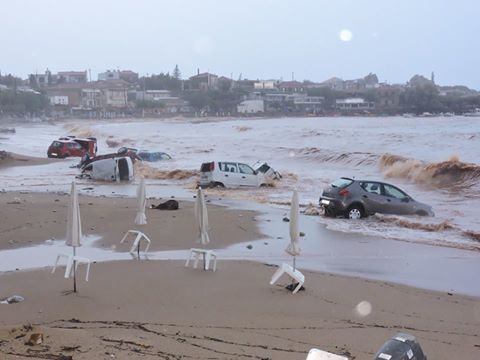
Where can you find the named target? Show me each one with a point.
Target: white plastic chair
(315, 354)
(69, 264)
(207, 255)
(294, 274)
(136, 243)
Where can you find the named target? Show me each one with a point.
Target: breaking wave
(409, 224)
(80, 131)
(242, 128)
(149, 172)
(114, 143)
(352, 158)
(452, 172)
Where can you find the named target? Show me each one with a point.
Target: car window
(56, 144)
(371, 187)
(245, 169)
(228, 167)
(341, 183)
(392, 191)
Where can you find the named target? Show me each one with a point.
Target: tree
(177, 75)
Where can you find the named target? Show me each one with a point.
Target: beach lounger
(294, 274)
(69, 265)
(136, 243)
(207, 255)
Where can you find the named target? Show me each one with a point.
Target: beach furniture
(207, 256)
(136, 243)
(316, 354)
(201, 223)
(71, 260)
(294, 274)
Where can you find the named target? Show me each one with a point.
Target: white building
(265, 84)
(351, 104)
(58, 100)
(109, 75)
(251, 107)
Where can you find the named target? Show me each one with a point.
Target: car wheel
(421, 213)
(218, 185)
(355, 212)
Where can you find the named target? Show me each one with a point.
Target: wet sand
(8, 159)
(160, 309)
(33, 218)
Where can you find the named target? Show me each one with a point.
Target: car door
(248, 177)
(372, 198)
(397, 201)
(229, 174)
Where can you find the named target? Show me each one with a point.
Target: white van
(113, 169)
(229, 174)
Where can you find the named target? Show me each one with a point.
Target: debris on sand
(167, 205)
(35, 339)
(12, 299)
(311, 210)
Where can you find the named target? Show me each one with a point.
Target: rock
(311, 210)
(286, 219)
(249, 247)
(302, 234)
(35, 339)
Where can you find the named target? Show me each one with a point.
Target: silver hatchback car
(355, 199)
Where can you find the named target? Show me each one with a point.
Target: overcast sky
(256, 38)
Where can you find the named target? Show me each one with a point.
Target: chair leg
(56, 263)
(197, 257)
(206, 260)
(214, 268)
(189, 258)
(299, 286)
(69, 267)
(88, 271)
(276, 276)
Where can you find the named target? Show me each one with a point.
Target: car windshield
(341, 183)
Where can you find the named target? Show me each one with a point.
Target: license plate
(54, 154)
(325, 202)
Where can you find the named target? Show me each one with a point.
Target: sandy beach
(160, 309)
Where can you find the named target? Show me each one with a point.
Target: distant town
(123, 93)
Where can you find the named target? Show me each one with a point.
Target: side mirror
(406, 199)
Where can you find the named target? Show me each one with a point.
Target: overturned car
(110, 169)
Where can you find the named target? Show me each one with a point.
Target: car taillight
(344, 192)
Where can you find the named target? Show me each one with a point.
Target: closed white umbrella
(294, 247)
(74, 227)
(201, 218)
(141, 219)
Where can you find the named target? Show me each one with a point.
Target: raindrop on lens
(363, 308)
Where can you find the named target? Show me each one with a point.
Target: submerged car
(266, 170)
(152, 156)
(72, 146)
(229, 174)
(110, 169)
(355, 199)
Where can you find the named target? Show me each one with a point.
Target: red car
(72, 146)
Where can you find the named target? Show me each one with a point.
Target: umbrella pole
(74, 272)
(294, 261)
(138, 250)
